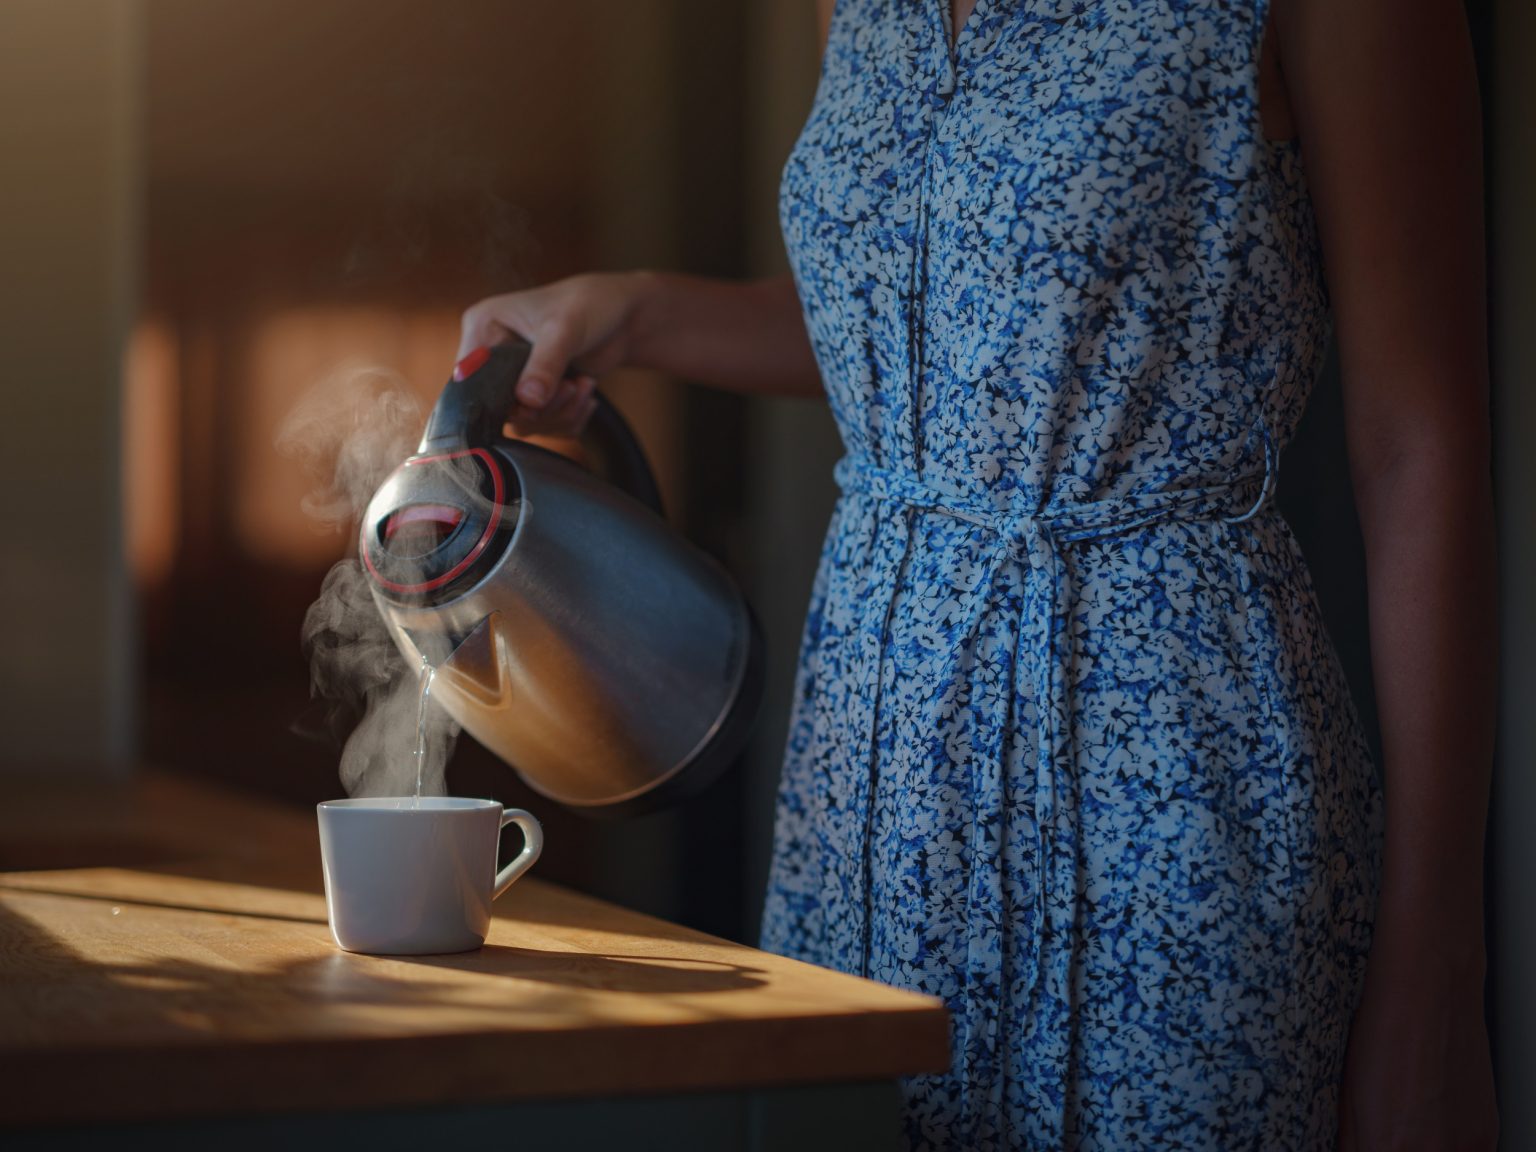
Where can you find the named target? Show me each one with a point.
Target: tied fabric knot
(1034, 540)
(1029, 540)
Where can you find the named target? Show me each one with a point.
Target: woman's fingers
(586, 388)
(543, 375)
(583, 406)
(565, 408)
(564, 414)
(543, 420)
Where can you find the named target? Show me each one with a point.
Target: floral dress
(1071, 748)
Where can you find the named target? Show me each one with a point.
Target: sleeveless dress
(1071, 748)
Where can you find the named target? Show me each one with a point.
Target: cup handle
(533, 844)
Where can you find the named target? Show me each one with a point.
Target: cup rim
(408, 805)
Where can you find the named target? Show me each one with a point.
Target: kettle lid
(438, 524)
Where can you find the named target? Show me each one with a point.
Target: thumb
(546, 366)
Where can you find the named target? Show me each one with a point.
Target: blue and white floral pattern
(1071, 747)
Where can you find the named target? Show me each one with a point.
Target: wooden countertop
(209, 983)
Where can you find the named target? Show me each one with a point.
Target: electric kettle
(613, 665)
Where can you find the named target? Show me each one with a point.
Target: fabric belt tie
(1035, 539)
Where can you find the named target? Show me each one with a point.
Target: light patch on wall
(151, 452)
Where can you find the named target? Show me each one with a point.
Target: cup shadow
(599, 972)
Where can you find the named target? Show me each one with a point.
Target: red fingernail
(471, 363)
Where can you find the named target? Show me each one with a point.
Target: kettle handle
(621, 460)
(471, 410)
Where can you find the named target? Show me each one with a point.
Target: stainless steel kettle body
(613, 665)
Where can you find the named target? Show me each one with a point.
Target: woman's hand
(579, 329)
(1417, 1074)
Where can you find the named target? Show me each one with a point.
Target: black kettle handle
(474, 403)
(620, 459)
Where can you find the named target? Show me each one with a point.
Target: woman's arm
(741, 337)
(746, 337)
(1384, 97)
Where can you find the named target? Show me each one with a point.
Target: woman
(1071, 748)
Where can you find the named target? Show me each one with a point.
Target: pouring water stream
(427, 673)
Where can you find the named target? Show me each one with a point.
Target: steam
(350, 432)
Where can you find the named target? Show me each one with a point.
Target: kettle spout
(475, 666)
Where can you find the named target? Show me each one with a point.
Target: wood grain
(130, 993)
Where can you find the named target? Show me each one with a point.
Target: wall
(1512, 887)
(68, 235)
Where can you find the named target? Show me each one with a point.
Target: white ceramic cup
(407, 878)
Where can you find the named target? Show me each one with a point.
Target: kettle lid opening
(439, 524)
